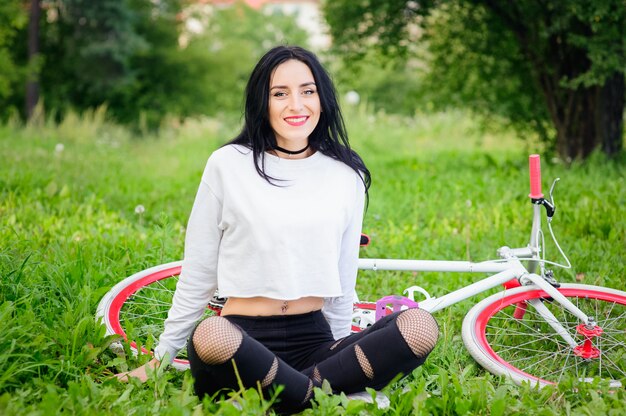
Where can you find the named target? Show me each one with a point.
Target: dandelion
(58, 149)
(468, 203)
(194, 25)
(139, 209)
(353, 97)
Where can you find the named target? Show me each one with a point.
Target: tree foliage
(391, 85)
(475, 62)
(556, 67)
(88, 49)
(128, 55)
(13, 18)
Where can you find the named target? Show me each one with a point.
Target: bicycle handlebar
(534, 166)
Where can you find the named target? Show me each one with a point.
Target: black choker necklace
(291, 152)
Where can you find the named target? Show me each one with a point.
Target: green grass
(442, 190)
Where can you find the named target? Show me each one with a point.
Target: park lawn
(442, 189)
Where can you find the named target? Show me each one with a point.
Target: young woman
(275, 227)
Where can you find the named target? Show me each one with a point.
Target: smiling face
(294, 104)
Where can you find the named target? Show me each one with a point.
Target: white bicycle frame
(510, 267)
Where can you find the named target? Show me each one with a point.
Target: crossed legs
(394, 345)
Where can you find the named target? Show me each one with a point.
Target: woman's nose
(295, 102)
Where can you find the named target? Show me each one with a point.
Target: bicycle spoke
(518, 347)
(541, 336)
(536, 363)
(607, 338)
(563, 370)
(142, 315)
(521, 322)
(159, 288)
(149, 304)
(607, 323)
(540, 354)
(568, 356)
(512, 345)
(615, 366)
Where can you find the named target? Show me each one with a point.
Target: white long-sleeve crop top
(247, 237)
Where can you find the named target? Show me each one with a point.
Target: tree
(564, 60)
(87, 48)
(32, 82)
(13, 18)
(128, 56)
(206, 75)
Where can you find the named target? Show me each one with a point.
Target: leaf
(498, 403)
(51, 189)
(65, 191)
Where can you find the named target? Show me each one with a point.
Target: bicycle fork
(587, 328)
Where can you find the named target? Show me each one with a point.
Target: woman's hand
(140, 373)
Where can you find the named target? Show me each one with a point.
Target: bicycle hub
(587, 350)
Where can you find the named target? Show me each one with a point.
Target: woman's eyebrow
(282, 87)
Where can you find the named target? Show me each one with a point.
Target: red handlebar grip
(534, 166)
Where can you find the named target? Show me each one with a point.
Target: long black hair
(328, 137)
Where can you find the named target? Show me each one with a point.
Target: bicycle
(536, 330)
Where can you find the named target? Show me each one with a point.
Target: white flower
(59, 148)
(139, 209)
(353, 97)
(194, 25)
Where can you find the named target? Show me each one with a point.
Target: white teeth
(296, 120)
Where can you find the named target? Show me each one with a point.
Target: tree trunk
(32, 81)
(609, 114)
(575, 121)
(585, 118)
(589, 118)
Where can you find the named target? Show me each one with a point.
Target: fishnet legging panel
(216, 340)
(364, 362)
(309, 393)
(271, 374)
(317, 377)
(336, 344)
(419, 329)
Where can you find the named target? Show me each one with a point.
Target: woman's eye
(280, 94)
(309, 92)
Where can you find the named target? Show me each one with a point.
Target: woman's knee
(419, 329)
(216, 340)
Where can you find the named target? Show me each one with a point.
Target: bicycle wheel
(137, 307)
(507, 336)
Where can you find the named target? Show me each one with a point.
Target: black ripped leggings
(299, 351)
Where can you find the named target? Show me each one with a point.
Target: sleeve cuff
(164, 354)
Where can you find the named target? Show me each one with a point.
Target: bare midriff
(261, 306)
